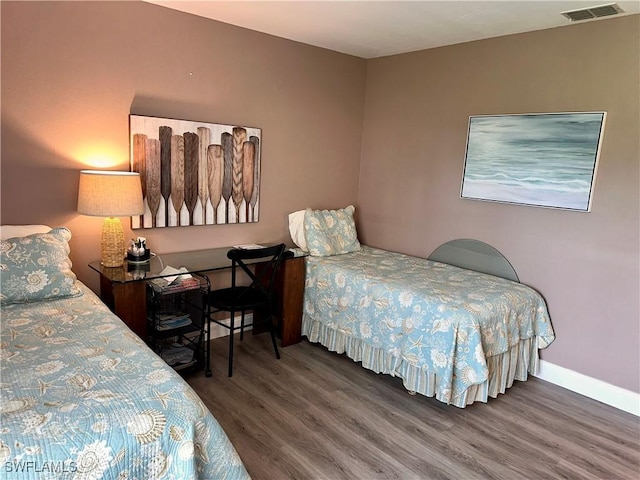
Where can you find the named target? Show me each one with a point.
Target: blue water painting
(536, 159)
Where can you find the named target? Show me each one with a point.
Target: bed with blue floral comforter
(448, 332)
(83, 397)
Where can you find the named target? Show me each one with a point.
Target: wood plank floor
(317, 415)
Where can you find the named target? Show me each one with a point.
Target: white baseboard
(218, 331)
(617, 397)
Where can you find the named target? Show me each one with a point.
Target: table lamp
(110, 194)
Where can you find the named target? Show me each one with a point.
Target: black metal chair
(258, 296)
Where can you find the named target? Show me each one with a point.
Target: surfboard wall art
(195, 173)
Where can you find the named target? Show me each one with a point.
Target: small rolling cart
(176, 322)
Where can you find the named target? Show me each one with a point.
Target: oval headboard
(474, 255)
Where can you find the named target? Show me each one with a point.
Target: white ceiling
(377, 28)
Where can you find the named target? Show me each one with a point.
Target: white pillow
(13, 231)
(296, 229)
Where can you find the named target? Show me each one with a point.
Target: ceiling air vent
(593, 12)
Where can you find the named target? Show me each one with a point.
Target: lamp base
(112, 244)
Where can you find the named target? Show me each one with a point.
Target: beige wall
(72, 72)
(586, 265)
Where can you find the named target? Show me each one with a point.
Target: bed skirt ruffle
(514, 364)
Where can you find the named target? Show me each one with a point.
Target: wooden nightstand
(128, 300)
(289, 299)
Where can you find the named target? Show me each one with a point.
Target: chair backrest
(263, 278)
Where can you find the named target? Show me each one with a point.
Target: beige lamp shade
(110, 194)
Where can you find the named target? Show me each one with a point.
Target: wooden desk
(123, 288)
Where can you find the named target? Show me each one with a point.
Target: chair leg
(272, 331)
(231, 332)
(207, 352)
(242, 326)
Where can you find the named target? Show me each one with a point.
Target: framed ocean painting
(538, 159)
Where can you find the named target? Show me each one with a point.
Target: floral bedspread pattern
(82, 397)
(432, 317)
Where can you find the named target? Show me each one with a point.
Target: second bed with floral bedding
(453, 333)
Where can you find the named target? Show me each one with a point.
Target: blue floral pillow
(330, 232)
(37, 267)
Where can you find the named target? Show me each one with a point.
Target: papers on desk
(174, 280)
(249, 246)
